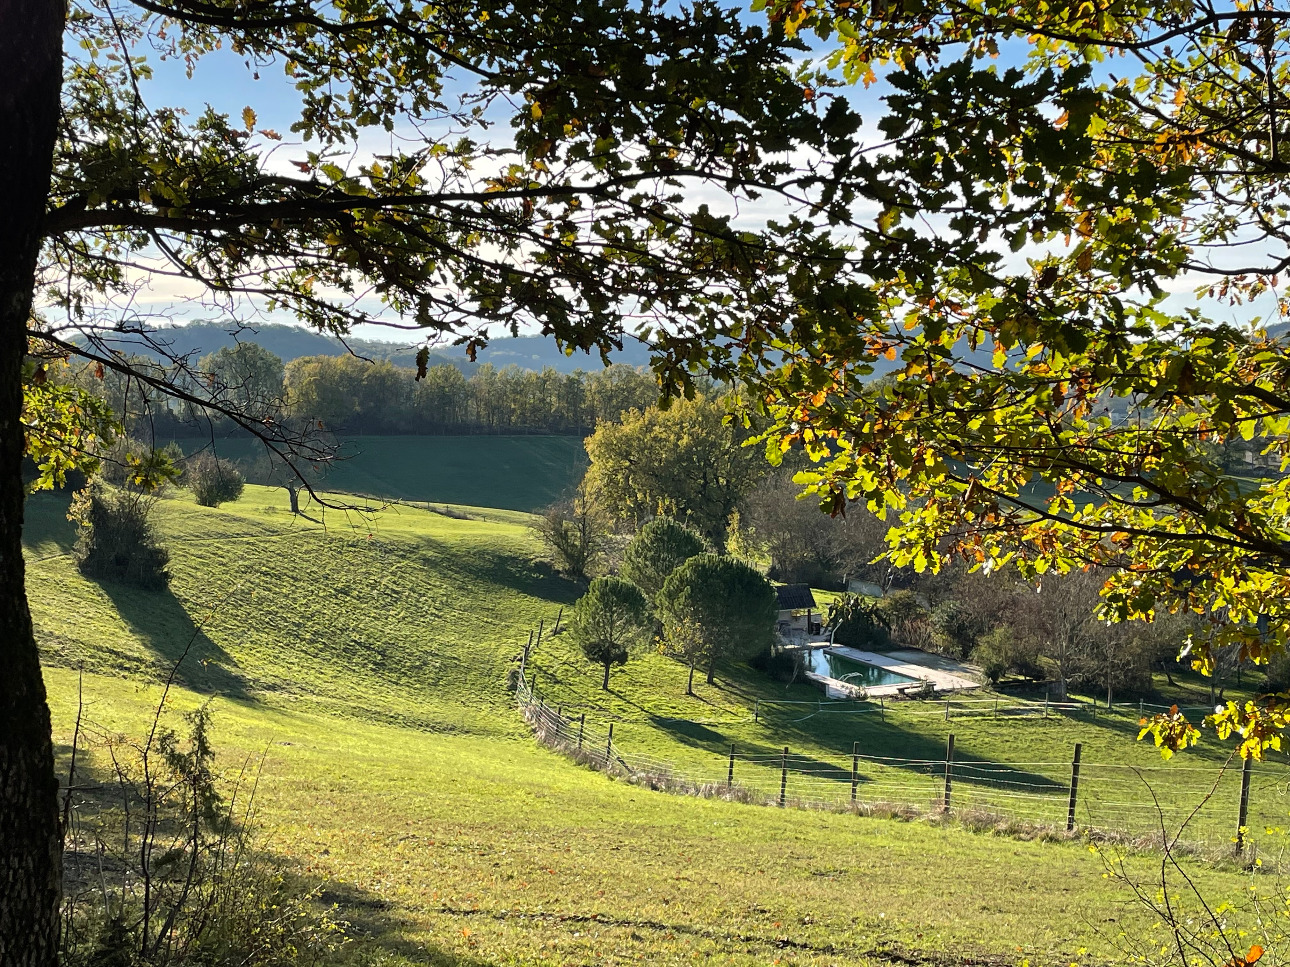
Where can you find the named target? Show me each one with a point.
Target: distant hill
(291, 342)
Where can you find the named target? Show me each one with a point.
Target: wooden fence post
(1243, 812)
(539, 633)
(558, 615)
(1046, 702)
(855, 769)
(757, 711)
(947, 710)
(1070, 806)
(783, 776)
(582, 722)
(949, 769)
(524, 662)
(730, 773)
(882, 708)
(609, 745)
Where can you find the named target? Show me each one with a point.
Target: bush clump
(1001, 653)
(213, 481)
(167, 819)
(117, 541)
(858, 622)
(781, 664)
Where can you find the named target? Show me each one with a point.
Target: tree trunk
(712, 668)
(30, 839)
(1063, 667)
(293, 492)
(605, 684)
(689, 686)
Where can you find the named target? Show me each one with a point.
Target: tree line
(350, 395)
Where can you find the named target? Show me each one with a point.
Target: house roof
(795, 597)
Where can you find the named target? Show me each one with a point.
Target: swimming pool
(857, 673)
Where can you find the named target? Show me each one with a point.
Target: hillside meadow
(523, 473)
(365, 657)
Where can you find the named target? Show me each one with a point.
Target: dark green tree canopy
(248, 376)
(656, 550)
(727, 607)
(610, 622)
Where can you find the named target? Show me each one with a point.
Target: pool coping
(941, 681)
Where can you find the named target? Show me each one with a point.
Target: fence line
(1107, 797)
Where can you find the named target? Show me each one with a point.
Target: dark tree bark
(30, 839)
(605, 684)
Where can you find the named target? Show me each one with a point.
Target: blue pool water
(852, 672)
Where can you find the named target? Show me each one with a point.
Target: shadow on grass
(537, 579)
(164, 625)
(801, 725)
(45, 524)
(376, 930)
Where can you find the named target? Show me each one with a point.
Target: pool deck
(897, 663)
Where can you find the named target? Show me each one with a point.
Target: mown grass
(511, 472)
(469, 849)
(369, 656)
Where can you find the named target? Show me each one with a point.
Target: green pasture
(369, 655)
(510, 472)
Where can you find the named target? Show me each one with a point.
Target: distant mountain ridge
(291, 342)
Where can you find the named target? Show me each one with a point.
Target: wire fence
(1206, 803)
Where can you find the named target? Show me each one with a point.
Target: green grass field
(369, 655)
(512, 472)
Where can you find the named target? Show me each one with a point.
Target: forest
(349, 395)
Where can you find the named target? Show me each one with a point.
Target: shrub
(574, 533)
(213, 481)
(955, 628)
(858, 622)
(117, 541)
(176, 879)
(781, 664)
(1001, 652)
(1278, 672)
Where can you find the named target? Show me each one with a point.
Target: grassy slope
(372, 655)
(514, 472)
